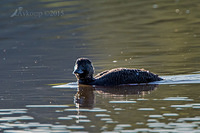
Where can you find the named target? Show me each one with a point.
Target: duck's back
(125, 76)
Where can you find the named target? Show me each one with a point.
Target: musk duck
(84, 71)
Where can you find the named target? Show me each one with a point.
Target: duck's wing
(101, 73)
(126, 76)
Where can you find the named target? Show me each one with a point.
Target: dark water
(40, 41)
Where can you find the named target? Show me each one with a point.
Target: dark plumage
(84, 71)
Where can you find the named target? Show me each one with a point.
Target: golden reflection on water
(162, 36)
(158, 36)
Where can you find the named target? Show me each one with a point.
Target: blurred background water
(40, 41)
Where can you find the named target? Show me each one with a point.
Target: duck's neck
(86, 80)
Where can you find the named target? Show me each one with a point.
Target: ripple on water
(170, 114)
(194, 106)
(155, 116)
(47, 106)
(58, 128)
(25, 126)
(16, 131)
(37, 124)
(87, 110)
(109, 132)
(156, 125)
(75, 127)
(146, 109)
(77, 116)
(152, 120)
(83, 121)
(37, 127)
(12, 111)
(122, 101)
(102, 115)
(159, 130)
(188, 119)
(106, 119)
(41, 128)
(183, 125)
(142, 99)
(111, 122)
(5, 127)
(122, 126)
(118, 109)
(6, 113)
(64, 118)
(38, 131)
(97, 110)
(182, 106)
(139, 123)
(140, 130)
(177, 99)
(16, 118)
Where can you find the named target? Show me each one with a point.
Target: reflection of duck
(84, 73)
(126, 89)
(85, 96)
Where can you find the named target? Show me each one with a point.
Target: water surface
(40, 41)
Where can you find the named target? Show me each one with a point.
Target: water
(40, 41)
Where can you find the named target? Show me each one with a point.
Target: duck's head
(83, 70)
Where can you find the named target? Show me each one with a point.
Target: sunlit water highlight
(154, 121)
(10, 122)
